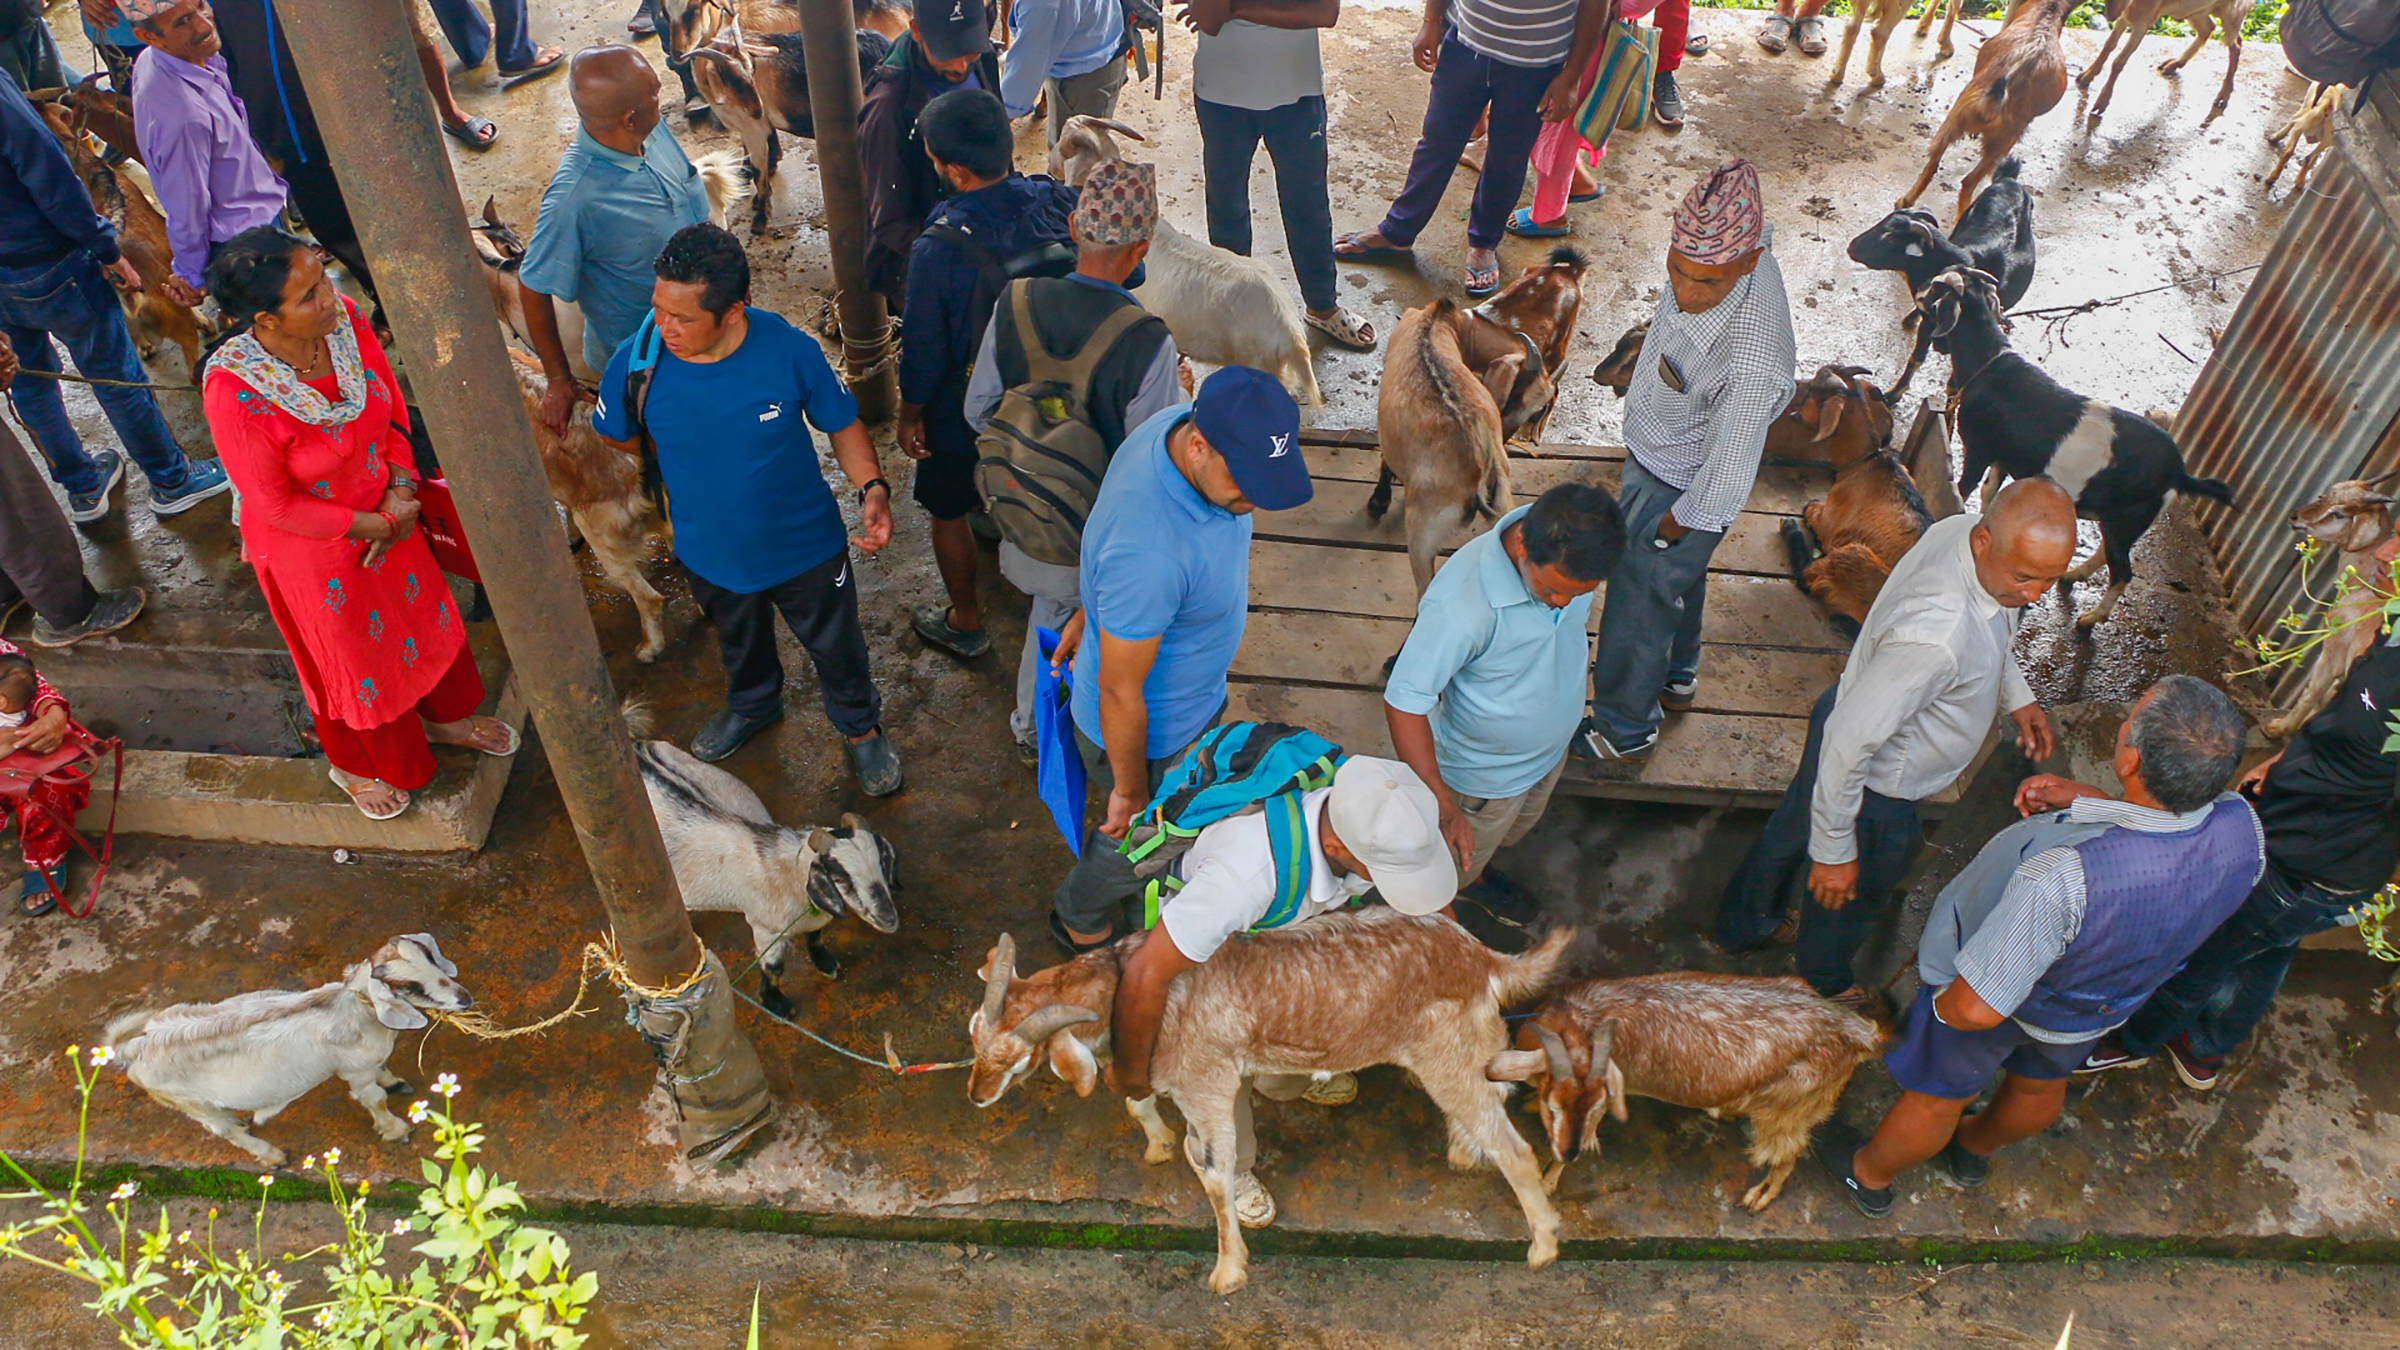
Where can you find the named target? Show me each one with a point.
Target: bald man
(1931, 669)
(622, 189)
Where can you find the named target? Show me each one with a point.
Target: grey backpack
(1039, 461)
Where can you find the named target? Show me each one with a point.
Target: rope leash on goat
(109, 384)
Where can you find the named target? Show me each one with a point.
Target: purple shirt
(207, 172)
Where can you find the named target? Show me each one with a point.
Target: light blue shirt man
(1056, 39)
(605, 216)
(1500, 674)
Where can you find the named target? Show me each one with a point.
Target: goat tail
(125, 1028)
(725, 176)
(1380, 500)
(2007, 172)
(641, 720)
(2215, 489)
(1516, 979)
(1494, 493)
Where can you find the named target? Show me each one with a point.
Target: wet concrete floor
(2301, 1142)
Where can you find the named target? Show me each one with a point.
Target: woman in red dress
(310, 424)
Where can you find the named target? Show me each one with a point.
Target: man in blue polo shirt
(1489, 688)
(621, 188)
(756, 525)
(1165, 580)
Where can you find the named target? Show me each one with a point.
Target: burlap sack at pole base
(706, 1062)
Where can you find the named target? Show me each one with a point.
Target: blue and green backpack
(1235, 769)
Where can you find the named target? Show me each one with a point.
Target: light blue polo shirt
(1160, 561)
(1501, 674)
(604, 218)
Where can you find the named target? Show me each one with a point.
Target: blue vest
(2150, 900)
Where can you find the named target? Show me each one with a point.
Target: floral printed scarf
(279, 384)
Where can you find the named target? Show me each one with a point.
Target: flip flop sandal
(1776, 33)
(1253, 1204)
(1697, 45)
(1482, 281)
(1349, 249)
(1520, 223)
(35, 900)
(514, 744)
(510, 79)
(368, 785)
(476, 133)
(1345, 328)
(1812, 36)
(1594, 195)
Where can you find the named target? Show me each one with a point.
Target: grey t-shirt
(1250, 65)
(1531, 33)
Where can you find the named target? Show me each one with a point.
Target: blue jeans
(1295, 138)
(1758, 897)
(1650, 622)
(2223, 993)
(471, 37)
(1465, 82)
(71, 301)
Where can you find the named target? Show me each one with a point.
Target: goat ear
(1514, 1066)
(491, 211)
(391, 1009)
(825, 886)
(433, 950)
(1072, 1061)
(1500, 377)
(1829, 416)
(1616, 1092)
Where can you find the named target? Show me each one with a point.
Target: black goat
(2019, 423)
(1995, 237)
(757, 87)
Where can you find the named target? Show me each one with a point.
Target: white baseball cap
(1386, 815)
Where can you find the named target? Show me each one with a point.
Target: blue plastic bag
(1061, 776)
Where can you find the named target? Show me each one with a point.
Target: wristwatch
(1661, 543)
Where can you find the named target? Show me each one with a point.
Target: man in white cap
(1378, 827)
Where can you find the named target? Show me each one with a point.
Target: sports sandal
(1352, 248)
(1776, 33)
(1812, 36)
(1253, 1207)
(1344, 327)
(355, 786)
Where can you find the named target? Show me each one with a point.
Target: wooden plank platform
(1332, 598)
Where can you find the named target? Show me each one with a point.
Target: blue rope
(282, 96)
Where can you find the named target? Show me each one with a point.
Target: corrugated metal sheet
(2304, 389)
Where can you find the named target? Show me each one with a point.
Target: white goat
(260, 1052)
(1223, 308)
(1335, 994)
(730, 856)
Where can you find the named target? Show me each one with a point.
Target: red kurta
(369, 642)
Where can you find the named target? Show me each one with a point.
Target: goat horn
(1555, 1051)
(2378, 500)
(2379, 478)
(1044, 1023)
(1604, 1044)
(995, 984)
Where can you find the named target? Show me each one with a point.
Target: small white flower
(417, 1111)
(267, 1180)
(308, 1163)
(103, 1055)
(125, 1191)
(333, 1157)
(275, 1279)
(447, 1085)
(184, 1236)
(399, 1227)
(323, 1319)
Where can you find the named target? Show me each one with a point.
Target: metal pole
(829, 37)
(359, 64)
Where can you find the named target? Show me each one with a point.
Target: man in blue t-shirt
(1165, 580)
(756, 525)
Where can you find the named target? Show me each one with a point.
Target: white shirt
(1734, 362)
(1229, 881)
(1931, 668)
(1250, 65)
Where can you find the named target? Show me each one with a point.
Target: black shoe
(1969, 1170)
(878, 765)
(727, 732)
(112, 611)
(1666, 101)
(1835, 1149)
(932, 623)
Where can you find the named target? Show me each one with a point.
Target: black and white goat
(730, 856)
(2017, 422)
(1995, 237)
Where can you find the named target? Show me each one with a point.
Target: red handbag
(437, 516)
(76, 760)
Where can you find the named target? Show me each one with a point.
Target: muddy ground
(2300, 1146)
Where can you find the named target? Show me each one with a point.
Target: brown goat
(105, 113)
(1535, 314)
(141, 237)
(1437, 423)
(2020, 73)
(1887, 15)
(2313, 122)
(2351, 519)
(1333, 995)
(2135, 18)
(1833, 418)
(601, 487)
(1768, 1050)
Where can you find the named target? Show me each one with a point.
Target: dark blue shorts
(1942, 1061)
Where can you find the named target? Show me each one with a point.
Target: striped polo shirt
(1531, 33)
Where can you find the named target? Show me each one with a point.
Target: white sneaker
(1253, 1207)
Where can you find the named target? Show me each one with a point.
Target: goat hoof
(772, 1000)
(1758, 1197)
(396, 1132)
(1543, 1252)
(649, 652)
(398, 1087)
(1228, 1278)
(272, 1158)
(1158, 1153)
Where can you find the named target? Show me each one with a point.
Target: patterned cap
(1119, 205)
(1723, 216)
(138, 10)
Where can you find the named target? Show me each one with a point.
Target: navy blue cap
(954, 28)
(1249, 419)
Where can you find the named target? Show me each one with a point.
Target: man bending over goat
(1376, 827)
(2060, 929)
